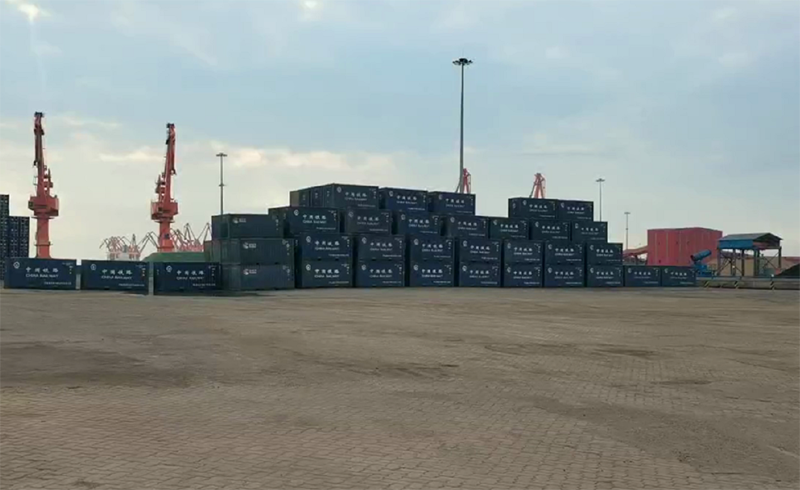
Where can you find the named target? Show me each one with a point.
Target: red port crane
(538, 186)
(164, 209)
(43, 204)
(465, 186)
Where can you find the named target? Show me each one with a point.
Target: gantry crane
(538, 186)
(43, 204)
(164, 209)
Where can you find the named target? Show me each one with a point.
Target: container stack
(14, 235)
(428, 257)
(252, 252)
(477, 257)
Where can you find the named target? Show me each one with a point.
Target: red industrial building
(675, 246)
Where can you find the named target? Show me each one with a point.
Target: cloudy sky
(689, 110)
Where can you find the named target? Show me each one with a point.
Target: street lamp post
(462, 62)
(221, 183)
(600, 204)
(627, 215)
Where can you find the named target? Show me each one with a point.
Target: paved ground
(360, 389)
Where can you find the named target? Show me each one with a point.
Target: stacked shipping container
(14, 234)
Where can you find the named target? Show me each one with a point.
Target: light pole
(462, 62)
(600, 204)
(221, 184)
(627, 215)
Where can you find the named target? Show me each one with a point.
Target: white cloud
(556, 53)
(735, 60)
(140, 155)
(74, 121)
(29, 10)
(724, 14)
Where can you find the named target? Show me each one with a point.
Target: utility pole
(462, 62)
(600, 183)
(221, 183)
(627, 215)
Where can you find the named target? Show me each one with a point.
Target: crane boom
(164, 209)
(539, 184)
(43, 204)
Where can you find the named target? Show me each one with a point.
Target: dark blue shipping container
(257, 277)
(246, 226)
(678, 276)
(451, 203)
(114, 275)
(408, 200)
(575, 211)
(528, 207)
(27, 273)
(186, 277)
(522, 252)
(466, 226)
(563, 253)
(325, 246)
(385, 248)
(549, 230)
(406, 223)
(367, 221)
(563, 276)
(308, 197)
(431, 274)
(522, 276)
(297, 221)
(478, 275)
(502, 228)
(590, 231)
(380, 274)
(604, 276)
(604, 254)
(429, 248)
(324, 274)
(638, 276)
(253, 251)
(479, 250)
(343, 196)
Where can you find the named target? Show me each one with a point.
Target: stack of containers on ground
(551, 225)
(14, 235)
(522, 256)
(478, 257)
(378, 254)
(252, 252)
(428, 257)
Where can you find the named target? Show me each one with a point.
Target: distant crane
(164, 209)
(122, 248)
(465, 186)
(187, 241)
(539, 185)
(43, 204)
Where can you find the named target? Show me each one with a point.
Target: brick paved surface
(401, 389)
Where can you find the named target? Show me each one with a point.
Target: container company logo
(324, 243)
(643, 273)
(36, 270)
(236, 221)
(432, 246)
(191, 272)
(353, 194)
(522, 249)
(249, 272)
(521, 273)
(479, 248)
(419, 221)
(603, 274)
(249, 245)
(438, 272)
(383, 271)
(563, 274)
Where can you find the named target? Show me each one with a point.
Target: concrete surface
(363, 389)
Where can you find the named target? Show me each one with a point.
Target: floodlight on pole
(461, 62)
(600, 204)
(221, 183)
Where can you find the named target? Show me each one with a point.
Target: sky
(689, 110)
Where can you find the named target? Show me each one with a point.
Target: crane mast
(43, 204)
(164, 209)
